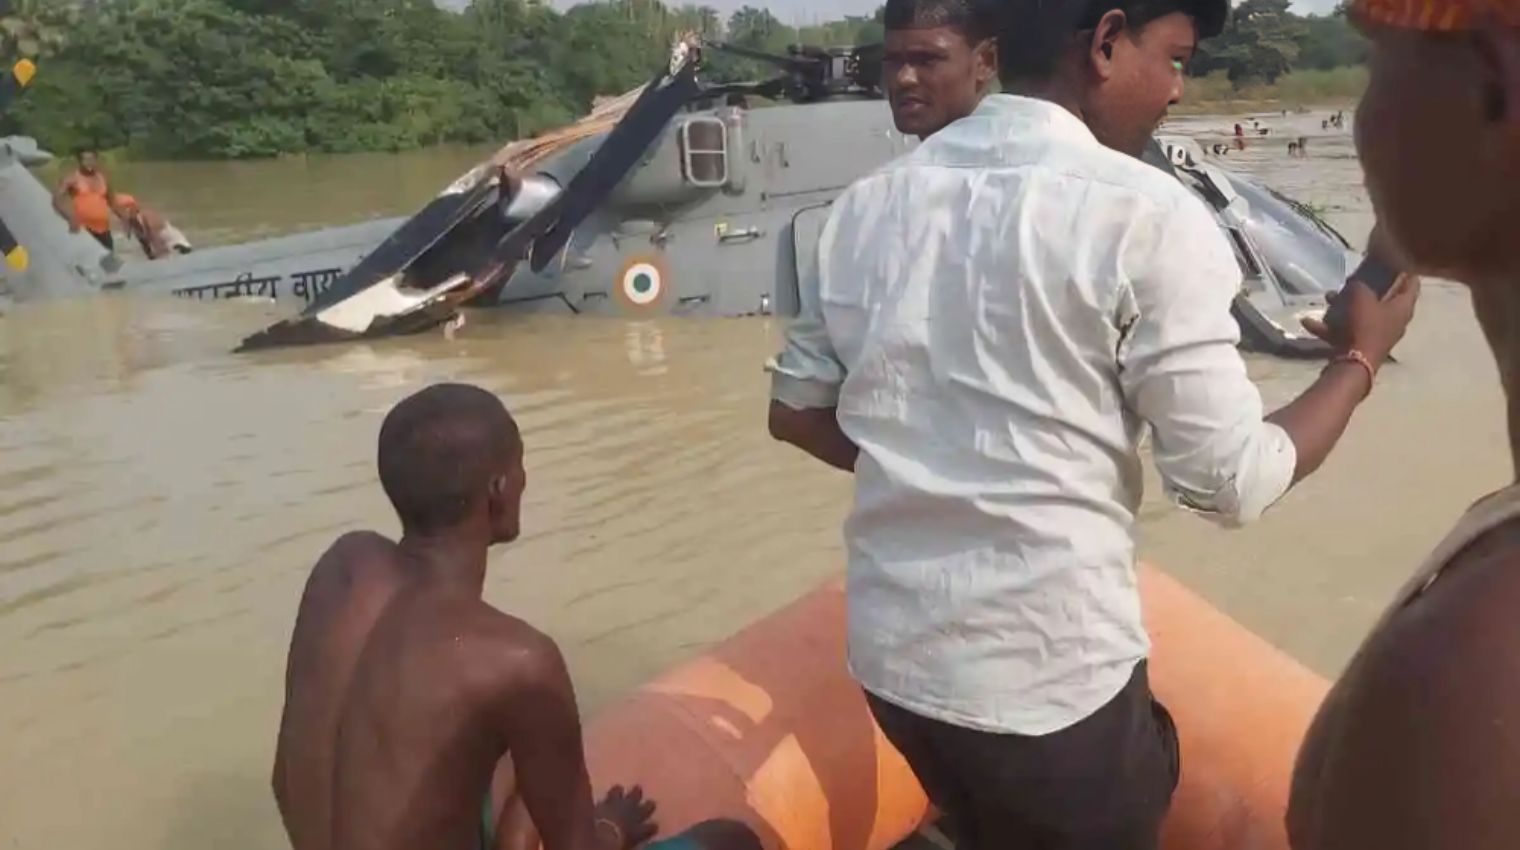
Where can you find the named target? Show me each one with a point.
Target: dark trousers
(1102, 784)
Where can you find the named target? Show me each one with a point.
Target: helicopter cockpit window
(704, 152)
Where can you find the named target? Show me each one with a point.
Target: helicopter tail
(42, 258)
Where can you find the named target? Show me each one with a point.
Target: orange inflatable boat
(769, 729)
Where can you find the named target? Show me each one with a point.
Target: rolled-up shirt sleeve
(1181, 372)
(807, 373)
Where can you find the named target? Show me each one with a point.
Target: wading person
(152, 231)
(85, 200)
(405, 691)
(1418, 745)
(992, 325)
(938, 61)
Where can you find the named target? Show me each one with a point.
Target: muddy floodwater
(161, 500)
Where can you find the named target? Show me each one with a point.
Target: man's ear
(1100, 54)
(986, 62)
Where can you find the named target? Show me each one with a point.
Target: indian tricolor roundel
(641, 284)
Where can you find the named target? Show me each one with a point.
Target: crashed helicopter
(683, 199)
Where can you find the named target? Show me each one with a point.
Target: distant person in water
(406, 693)
(1417, 747)
(152, 231)
(85, 200)
(938, 62)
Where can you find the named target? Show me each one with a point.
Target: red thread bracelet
(1356, 356)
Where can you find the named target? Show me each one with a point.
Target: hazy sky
(812, 11)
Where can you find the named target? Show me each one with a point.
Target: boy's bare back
(405, 691)
(397, 705)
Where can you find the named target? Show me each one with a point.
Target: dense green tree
(1261, 41)
(758, 29)
(1330, 42)
(238, 78)
(35, 29)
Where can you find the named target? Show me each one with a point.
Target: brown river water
(161, 500)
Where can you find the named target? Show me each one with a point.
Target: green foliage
(1319, 86)
(1264, 41)
(1331, 42)
(244, 78)
(35, 29)
(1292, 90)
(1261, 41)
(247, 78)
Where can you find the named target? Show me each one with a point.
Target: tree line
(249, 78)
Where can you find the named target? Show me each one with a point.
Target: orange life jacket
(91, 208)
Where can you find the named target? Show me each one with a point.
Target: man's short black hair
(1035, 33)
(438, 450)
(976, 20)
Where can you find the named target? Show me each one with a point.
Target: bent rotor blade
(545, 233)
(395, 303)
(618, 154)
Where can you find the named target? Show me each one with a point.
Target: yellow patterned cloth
(1438, 15)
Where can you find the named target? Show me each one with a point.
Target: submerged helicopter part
(674, 199)
(710, 205)
(60, 262)
(1290, 259)
(21, 75)
(434, 263)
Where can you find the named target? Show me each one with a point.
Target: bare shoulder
(1464, 624)
(355, 564)
(514, 656)
(1429, 752)
(1452, 649)
(351, 555)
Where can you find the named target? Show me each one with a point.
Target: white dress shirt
(997, 317)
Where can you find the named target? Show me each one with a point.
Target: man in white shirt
(992, 325)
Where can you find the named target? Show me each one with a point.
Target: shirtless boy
(406, 693)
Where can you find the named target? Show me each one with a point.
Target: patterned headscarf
(1437, 15)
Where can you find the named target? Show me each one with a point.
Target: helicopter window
(704, 152)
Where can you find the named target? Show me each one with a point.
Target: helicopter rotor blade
(772, 88)
(618, 154)
(390, 305)
(790, 63)
(542, 236)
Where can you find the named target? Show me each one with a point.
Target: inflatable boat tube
(769, 729)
